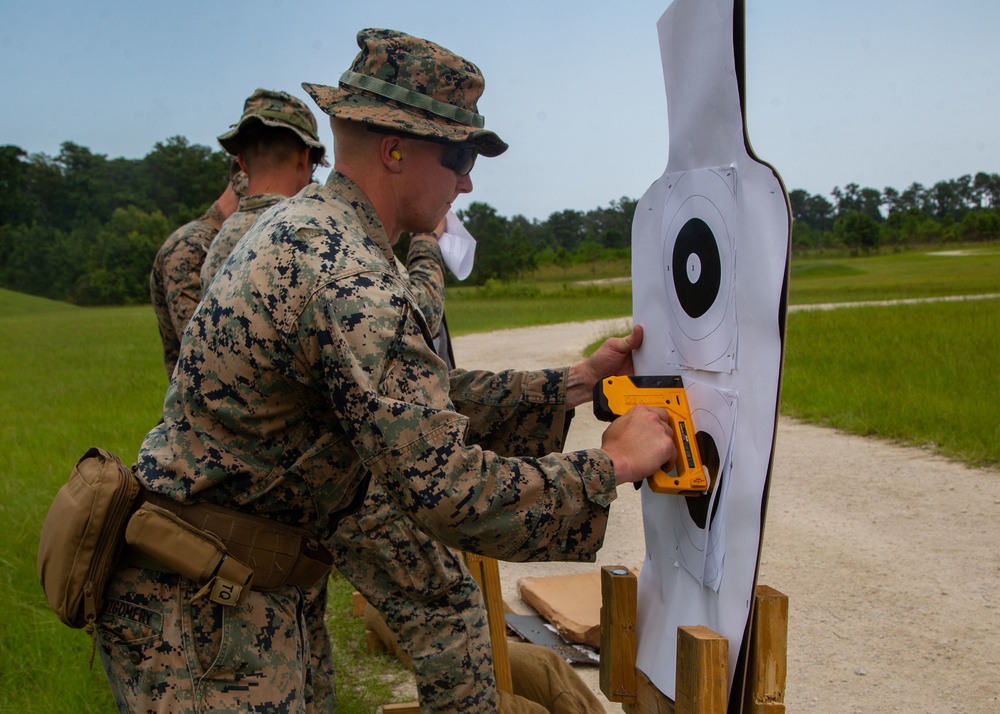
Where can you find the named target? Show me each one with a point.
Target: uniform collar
(349, 191)
(259, 201)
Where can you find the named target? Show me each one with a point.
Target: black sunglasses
(460, 158)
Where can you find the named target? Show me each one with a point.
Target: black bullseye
(697, 267)
(698, 505)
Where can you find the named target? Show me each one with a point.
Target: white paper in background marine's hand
(458, 247)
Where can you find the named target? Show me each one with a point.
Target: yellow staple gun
(613, 396)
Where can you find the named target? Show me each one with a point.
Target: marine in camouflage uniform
(307, 370)
(175, 286)
(423, 590)
(234, 228)
(272, 109)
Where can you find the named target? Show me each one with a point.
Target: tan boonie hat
(278, 109)
(402, 83)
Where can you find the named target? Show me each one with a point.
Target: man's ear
(305, 159)
(392, 153)
(242, 162)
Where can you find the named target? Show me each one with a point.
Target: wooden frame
(702, 656)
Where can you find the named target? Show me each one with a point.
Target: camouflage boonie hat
(406, 84)
(278, 109)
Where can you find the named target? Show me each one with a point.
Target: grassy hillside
(71, 378)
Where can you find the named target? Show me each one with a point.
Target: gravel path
(890, 556)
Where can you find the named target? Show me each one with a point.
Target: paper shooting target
(698, 535)
(698, 261)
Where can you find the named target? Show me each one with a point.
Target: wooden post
(408, 708)
(702, 685)
(618, 607)
(767, 664)
(486, 571)
(358, 604)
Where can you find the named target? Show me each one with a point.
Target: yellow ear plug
(396, 155)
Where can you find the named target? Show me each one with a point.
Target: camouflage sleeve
(216, 255)
(183, 284)
(426, 275)
(175, 285)
(390, 395)
(514, 413)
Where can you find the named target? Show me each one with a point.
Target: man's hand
(639, 442)
(612, 358)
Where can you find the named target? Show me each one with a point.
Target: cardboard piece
(572, 603)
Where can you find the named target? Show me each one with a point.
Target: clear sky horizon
(883, 93)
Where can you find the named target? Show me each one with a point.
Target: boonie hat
(279, 109)
(403, 83)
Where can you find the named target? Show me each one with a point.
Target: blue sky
(880, 92)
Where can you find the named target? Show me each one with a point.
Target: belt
(277, 555)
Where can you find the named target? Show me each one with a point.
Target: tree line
(84, 228)
(865, 220)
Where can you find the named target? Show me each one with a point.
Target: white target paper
(710, 258)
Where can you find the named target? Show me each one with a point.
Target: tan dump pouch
(194, 554)
(81, 536)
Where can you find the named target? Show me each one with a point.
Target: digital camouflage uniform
(306, 371)
(428, 287)
(311, 369)
(233, 229)
(175, 285)
(420, 587)
(320, 679)
(175, 282)
(423, 590)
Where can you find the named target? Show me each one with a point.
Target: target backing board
(710, 246)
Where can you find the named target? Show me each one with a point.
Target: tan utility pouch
(195, 554)
(279, 555)
(82, 535)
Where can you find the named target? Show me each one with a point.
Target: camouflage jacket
(233, 229)
(424, 271)
(307, 366)
(175, 281)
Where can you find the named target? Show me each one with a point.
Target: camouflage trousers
(428, 599)
(162, 653)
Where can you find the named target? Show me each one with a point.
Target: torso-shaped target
(710, 246)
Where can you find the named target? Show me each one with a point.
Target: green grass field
(71, 378)
(923, 374)
(931, 272)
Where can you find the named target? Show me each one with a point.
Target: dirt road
(890, 556)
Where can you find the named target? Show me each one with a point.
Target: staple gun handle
(613, 396)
